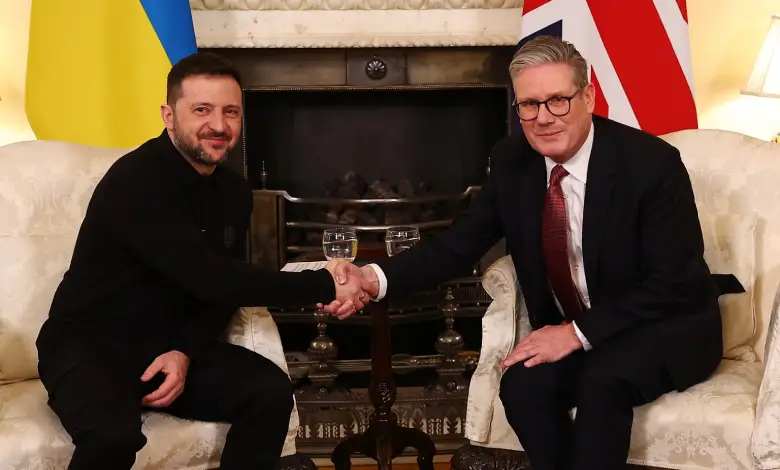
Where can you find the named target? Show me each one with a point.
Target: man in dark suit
(602, 227)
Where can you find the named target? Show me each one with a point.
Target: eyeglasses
(557, 106)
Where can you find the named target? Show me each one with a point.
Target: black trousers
(604, 384)
(96, 393)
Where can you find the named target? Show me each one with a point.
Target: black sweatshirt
(159, 262)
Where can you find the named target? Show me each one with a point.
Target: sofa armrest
(765, 441)
(504, 324)
(254, 328)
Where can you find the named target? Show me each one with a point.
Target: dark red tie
(555, 238)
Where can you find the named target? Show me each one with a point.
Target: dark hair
(199, 63)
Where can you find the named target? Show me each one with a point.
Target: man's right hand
(350, 296)
(344, 274)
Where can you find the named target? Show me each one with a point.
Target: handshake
(355, 287)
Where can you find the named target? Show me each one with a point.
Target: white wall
(725, 38)
(14, 27)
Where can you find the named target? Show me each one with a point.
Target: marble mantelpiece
(355, 23)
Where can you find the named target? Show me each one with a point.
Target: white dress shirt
(573, 187)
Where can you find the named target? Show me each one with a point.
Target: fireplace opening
(422, 150)
(437, 137)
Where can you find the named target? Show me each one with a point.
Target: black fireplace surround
(429, 115)
(339, 125)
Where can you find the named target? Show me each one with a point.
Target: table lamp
(764, 79)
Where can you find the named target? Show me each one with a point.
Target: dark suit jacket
(642, 247)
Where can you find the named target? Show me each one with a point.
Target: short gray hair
(549, 50)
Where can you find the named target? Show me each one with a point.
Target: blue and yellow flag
(96, 69)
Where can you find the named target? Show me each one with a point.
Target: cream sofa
(44, 191)
(731, 421)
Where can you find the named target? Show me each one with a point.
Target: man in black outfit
(621, 301)
(156, 274)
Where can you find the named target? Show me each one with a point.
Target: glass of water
(398, 239)
(340, 243)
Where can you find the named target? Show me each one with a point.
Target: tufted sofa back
(736, 182)
(45, 187)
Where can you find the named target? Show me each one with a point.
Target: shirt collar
(577, 166)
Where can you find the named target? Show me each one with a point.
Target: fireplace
(369, 138)
(366, 138)
(369, 113)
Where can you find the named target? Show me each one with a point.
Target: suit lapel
(598, 195)
(532, 187)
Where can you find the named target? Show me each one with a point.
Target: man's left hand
(548, 344)
(342, 271)
(174, 365)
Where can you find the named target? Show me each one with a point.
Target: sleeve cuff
(583, 339)
(185, 348)
(380, 275)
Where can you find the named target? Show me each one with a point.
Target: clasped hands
(355, 287)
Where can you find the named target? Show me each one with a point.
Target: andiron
(384, 439)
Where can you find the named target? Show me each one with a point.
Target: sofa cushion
(733, 173)
(730, 248)
(706, 426)
(31, 436)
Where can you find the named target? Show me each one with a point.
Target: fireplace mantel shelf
(355, 23)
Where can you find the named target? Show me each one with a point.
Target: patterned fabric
(766, 432)
(44, 191)
(730, 248)
(732, 420)
(254, 328)
(500, 332)
(555, 244)
(31, 436)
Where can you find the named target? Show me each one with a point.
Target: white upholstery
(44, 191)
(732, 420)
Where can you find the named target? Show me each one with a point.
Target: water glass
(398, 239)
(340, 243)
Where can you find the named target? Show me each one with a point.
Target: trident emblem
(230, 237)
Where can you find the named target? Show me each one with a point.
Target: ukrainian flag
(97, 68)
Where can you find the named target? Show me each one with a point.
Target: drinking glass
(340, 243)
(398, 239)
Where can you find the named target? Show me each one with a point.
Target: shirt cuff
(583, 339)
(380, 275)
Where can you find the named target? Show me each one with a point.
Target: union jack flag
(638, 53)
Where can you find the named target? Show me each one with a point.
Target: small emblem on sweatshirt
(230, 237)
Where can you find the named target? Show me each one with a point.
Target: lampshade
(764, 79)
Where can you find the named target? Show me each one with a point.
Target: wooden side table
(384, 439)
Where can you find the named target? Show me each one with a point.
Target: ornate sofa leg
(296, 462)
(469, 457)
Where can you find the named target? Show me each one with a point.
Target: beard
(195, 151)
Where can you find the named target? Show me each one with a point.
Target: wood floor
(442, 466)
(396, 466)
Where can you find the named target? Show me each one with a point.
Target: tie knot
(557, 174)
